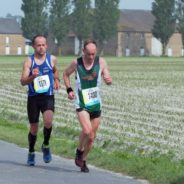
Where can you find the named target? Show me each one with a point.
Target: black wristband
(69, 90)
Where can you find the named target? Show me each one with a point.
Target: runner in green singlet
(89, 69)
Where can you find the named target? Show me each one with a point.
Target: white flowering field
(143, 111)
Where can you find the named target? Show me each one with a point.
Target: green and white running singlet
(87, 86)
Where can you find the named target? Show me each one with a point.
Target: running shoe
(84, 168)
(78, 158)
(47, 157)
(31, 159)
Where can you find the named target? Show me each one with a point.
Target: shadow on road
(46, 167)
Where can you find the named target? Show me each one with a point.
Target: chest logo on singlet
(41, 84)
(91, 96)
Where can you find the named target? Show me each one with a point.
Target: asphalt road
(14, 170)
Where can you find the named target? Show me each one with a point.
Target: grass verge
(157, 170)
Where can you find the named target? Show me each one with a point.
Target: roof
(135, 20)
(9, 26)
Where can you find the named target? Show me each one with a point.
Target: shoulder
(50, 57)
(53, 59)
(74, 63)
(28, 61)
(102, 62)
(71, 68)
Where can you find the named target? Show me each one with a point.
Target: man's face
(40, 45)
(90, 52)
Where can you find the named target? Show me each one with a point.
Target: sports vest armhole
(79, 61)
(32, 56)
(48, 56)
(96, 60)
(48, 61)
(32, 60)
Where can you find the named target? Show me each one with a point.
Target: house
(11, 38)
(134, 36)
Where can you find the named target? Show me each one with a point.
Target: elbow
(22, 82)
(65, 75)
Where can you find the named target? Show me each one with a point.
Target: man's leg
(86, 126)
(47, 118)
(33, 116)
(85, 123)
(32, 136)
(95, 124)
(87, 136)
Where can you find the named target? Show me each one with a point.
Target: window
(142, 51)
(127, 51)
(19, 50)
(7, 50)
(7, 40)
(127, 35)
(141, 36)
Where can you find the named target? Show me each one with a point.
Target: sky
(13, 7)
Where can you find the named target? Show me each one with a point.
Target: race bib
(91, 96)
(41, 84)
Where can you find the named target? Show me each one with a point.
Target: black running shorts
(93, 115)
(37, 104)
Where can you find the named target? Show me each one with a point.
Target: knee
(34, 129)
(47, 118)
(48, 124)
(87, 132)
(91, 140)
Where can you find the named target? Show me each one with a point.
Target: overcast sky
(14, 6)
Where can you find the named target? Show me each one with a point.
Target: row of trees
(58, 17)
(169, 17)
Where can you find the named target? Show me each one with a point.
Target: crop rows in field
(143, 111)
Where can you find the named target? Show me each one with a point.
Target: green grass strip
(156, 169)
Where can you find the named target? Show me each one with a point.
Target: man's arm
(56, 73)
(66, 77)
(105, 72)
(25, 78)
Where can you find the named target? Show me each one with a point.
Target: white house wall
(156, 47)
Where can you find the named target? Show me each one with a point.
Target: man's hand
(57, 84)
(35, 72)
(108, 80)
(71, 95)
